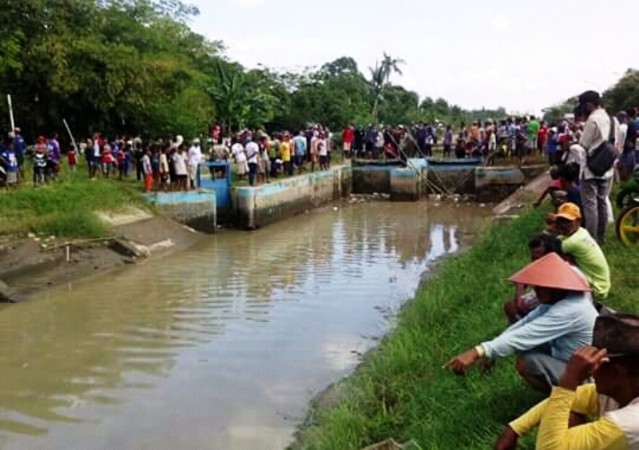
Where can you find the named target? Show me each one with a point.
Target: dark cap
(617, 333)
(590, 97)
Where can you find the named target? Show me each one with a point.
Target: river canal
(221, 346)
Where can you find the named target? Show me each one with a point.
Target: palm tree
(390, 66)
(380, 79)
(376, 83)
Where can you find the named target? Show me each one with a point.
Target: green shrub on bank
(402, 391)
(64, 207)
(74, 224)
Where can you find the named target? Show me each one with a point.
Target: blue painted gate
(216, 176)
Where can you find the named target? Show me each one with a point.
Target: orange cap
(551, 271)
(569, 211)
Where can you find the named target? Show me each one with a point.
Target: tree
(243, 98)
(380, 79)
(625, 94)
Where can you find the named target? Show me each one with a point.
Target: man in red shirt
(542, 138)
(347, 138)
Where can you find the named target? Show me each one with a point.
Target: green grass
(402, 391)
(64, 207)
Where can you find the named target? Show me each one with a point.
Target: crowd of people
(568, 343)
(510, 137)
(260, 157)
(171, 164)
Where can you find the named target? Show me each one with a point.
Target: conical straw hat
(552, 272)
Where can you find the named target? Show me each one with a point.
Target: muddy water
(221, 346)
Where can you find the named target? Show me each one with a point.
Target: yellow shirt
(285, 151)
(552, 417)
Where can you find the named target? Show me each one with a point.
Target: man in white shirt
(252, 156)
(594, 189)
(237, 150)
(194, 157)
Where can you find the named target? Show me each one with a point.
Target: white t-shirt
(627, 419)
(238, 152)
(195, 156)
(179, 163)
(322, 148)
(252, 152)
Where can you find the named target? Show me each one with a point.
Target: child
(72, 159)
(40, 165)
(568, 179)
(554, 185)
(147, 171)
(107, 160)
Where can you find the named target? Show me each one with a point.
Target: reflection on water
(221, 346)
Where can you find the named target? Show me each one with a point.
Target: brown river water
(221, 346)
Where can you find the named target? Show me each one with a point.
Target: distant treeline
(135, 67)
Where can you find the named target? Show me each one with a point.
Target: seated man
(612, 402)
(584, 251)
(526, 301)
(563, 322)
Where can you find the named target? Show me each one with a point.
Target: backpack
(603, 157)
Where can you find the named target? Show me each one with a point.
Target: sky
(524, 56)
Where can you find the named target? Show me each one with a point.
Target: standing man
(252, 156)
(628, 142)
(348, 135)
(285, 154)
(194, 156)
(299, 142)
(542, 138)
(594, 189)
(19, 147)
(533, 130)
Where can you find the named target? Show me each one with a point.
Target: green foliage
(402, 391)
(64, 207)
(135, 67)
(625, 94)
(116, 66)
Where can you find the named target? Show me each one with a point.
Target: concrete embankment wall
(494, 184)
(488, 184)
(255, 207)
(196, 209)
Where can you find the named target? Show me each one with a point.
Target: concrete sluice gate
(421, 177)
(256, 207)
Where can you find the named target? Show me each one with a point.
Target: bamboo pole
(13, 124)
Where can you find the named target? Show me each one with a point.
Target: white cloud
(500, 22)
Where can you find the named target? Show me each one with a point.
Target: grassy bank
(64, 207)
(402, 391)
